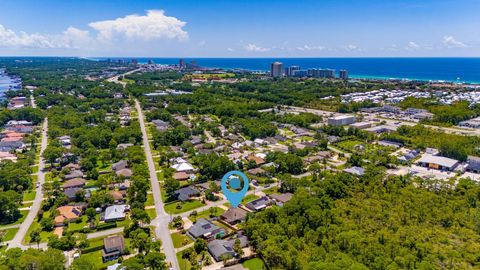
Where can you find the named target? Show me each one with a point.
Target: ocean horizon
(448, 69)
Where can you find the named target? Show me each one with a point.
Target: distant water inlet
(8, 82)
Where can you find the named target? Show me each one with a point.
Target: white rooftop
(442, 161)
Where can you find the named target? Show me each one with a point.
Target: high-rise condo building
(276, 69)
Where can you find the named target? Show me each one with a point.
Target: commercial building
(341, 120)
(361, 125)
(276, 69)
(343, 74)
(438, 162)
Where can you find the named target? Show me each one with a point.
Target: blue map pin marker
(235, 198)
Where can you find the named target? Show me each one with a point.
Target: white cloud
(154, 25)
(230, 49)
(350, 47)
(310, 48)
(413, 45)
(9, 38)
(451, 42)
(76, 38)
(255, 48)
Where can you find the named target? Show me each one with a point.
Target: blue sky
(224, 28)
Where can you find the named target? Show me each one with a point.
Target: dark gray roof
(185, 193)
(71, 192)
(220, 247)
(122, 164)
(204, 227)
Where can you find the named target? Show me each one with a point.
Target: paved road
(162, 219)
(114, 79)
(17, 240)
(32, 102)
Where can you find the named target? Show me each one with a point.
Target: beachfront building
(276, 69)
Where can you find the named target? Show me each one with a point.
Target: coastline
(465, 71)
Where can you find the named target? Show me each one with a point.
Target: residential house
(181, 176)
(120, 165)
(74, 174)
(21, 129)
(258, 160)
(257, 171)
(123, 146)
(67, 213)
(161, 125)
(18, 122)
(183, 167)
(259, 204)
(118, 196)
(113, 247)
(219, 248)
(114, 213)
(281, 199)
(234, 215)
(390, 144)
(10, 145)
(125, 173)
(66, 141)
(73, 193)
(185, 193)
(74, 183)
(205, 229)
(359, 171)
(8, 156)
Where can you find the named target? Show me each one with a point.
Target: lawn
(29, 196)
(350, 145)
(171, 208)
(35, 169)
(43, 234)
(206, 213)
(179, 240)
(151, 213)
(270, 191)
(27, 204)
(246, 199)
(249, 198)
(253, 264)
(150, 200)
(184, 264)
(73, 226)
(8, 234)
(96, 258)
